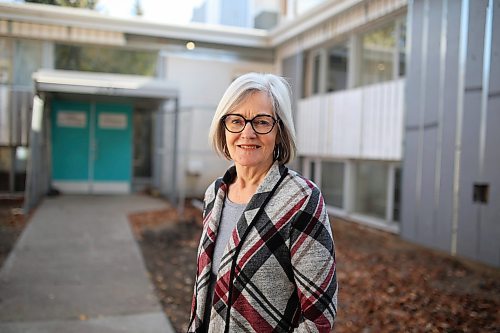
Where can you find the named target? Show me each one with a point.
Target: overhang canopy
(103, 84)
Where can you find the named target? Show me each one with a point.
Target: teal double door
(91, 147)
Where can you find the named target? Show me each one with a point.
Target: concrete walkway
(77, 268)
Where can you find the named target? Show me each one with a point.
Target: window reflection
(337, 68)
(332, 183)
(377, 57)
(371, 188)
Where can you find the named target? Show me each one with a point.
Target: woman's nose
(248, 131)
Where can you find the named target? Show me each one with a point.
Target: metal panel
(292, 71)
(359, 123)
(409, 210)
(308, 123)
(429, 126)
(469, 220)
(345, 123)
(413, 69)
(444, 212)
(490, 213)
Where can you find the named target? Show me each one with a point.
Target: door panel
(70, 141)
(91, 147)
(113, 142)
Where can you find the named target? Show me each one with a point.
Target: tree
(90, 4)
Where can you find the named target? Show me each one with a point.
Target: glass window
(305, 74)
(332, 183)
(378, 51)
(143, 138)
(371, 189)
(316, 74)
(397, 194)
(28, 59)
(5, 61)
(20, 168)
(5, 168)
(402, 47)
(337, 68)
(108, 60)
(312, 171)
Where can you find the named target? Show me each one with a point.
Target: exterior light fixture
(190, 46)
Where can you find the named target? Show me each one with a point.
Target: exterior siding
(491, 214)
(361, 123)
(445, 124)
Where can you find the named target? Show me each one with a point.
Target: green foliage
(90, 4)
(106, 60)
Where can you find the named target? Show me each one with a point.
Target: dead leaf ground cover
(12, 223)
(386, 284)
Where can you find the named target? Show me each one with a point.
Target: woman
(266, 260)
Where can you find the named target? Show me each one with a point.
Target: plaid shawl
(277, 273)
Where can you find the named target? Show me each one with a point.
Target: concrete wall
(452, 103)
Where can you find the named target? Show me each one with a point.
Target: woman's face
(248, 148)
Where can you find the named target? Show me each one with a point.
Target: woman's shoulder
(213, 187)
(299, 180)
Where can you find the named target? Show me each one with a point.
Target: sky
(167, 11)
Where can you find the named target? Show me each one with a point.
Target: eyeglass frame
(223, 121)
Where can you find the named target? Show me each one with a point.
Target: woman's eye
(262, 122)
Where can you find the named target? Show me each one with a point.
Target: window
(109, 60)
(383, 53)
(397, 195)
(338, 57)
(377, 55)
(316, 74)
(27, 60)
(13, 162)
(312, 73)
(5, 61)
(401, 26)
(312, 171)
(332, 183)
(371, 189)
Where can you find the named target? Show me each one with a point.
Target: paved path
(77, 268)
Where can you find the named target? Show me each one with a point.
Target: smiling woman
(266, 260)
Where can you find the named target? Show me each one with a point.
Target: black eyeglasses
(261, 124)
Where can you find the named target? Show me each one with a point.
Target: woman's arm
(313, 259)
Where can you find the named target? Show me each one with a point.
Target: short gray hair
(278, 90)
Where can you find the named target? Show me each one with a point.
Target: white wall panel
(345, 123)
(362, 123)
(4, 115)
(308, 125)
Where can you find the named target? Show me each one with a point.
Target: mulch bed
(12, 223)
(386, 284)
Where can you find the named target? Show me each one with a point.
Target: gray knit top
(230, 216)
(231, 213)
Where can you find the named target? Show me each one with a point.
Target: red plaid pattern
(277, 273)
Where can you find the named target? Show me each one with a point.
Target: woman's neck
(246, 183)
(250, 176)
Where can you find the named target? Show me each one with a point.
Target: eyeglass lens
(262, 124)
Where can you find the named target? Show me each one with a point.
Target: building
(92, 73)
(395, 104)
(396, 115)
(236, 13)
